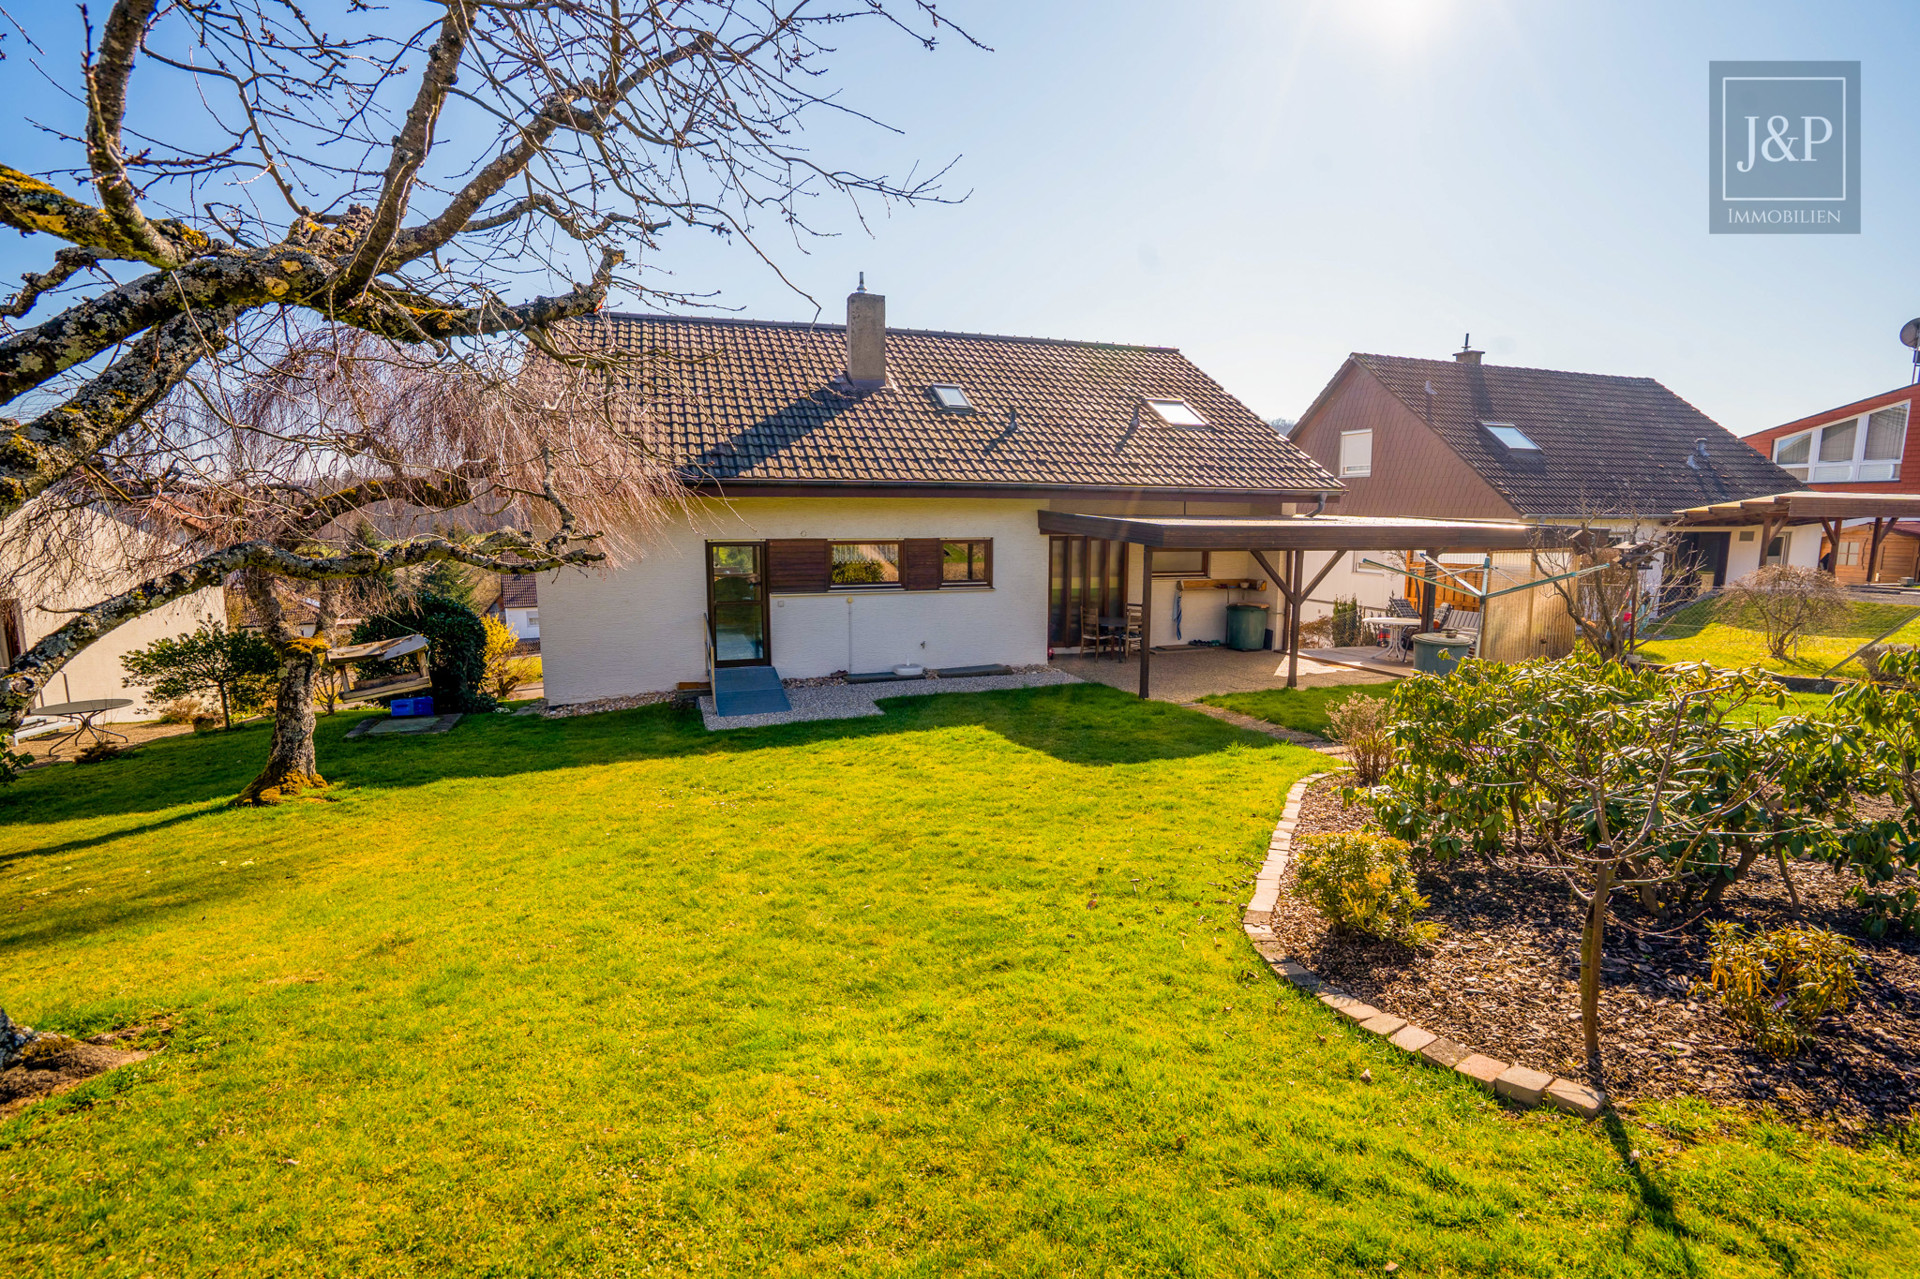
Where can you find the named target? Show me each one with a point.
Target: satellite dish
(1910, 335)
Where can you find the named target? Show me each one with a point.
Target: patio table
(83, 714)
(1398, 629)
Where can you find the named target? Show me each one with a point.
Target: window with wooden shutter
(799, 565)
(920, 562)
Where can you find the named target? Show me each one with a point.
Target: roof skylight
(951, 398)
(1511, 436)
(1176, 413)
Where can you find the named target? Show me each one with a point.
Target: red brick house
(1862, 447)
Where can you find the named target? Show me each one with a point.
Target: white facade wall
(95, 673)
(641, 628)
(523, 622)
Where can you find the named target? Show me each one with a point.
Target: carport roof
(1306, 532)
(1804, 506)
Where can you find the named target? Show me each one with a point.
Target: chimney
(1466, 354)
(866, 338)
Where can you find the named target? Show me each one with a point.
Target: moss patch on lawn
(958, 989)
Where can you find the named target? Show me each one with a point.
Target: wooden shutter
(920, 560)
(796, 565)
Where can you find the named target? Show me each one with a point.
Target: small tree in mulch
(239, 666)
(1885, 716)
(456, 648)
(1785, 603)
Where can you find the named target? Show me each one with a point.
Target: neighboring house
(1863, 447)
(32, 604)
(517, 603)
(865, 498)
(1461, 439)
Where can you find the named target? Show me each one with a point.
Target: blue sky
(1270, 184)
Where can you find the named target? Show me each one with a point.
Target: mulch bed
(1502, 979)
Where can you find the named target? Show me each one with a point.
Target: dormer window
(1511, 436)
(951, 399)
(1176, 413)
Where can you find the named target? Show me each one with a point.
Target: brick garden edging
(1519, 1084)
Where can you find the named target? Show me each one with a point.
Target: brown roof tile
(1608, 445)
(750, 402)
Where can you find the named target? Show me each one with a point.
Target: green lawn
(957, 990)
(1692, 635)
(1302, 709)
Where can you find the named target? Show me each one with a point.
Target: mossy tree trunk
(291, 766)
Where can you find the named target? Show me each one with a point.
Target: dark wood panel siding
(799, 565)
(1414, 471)
(920, 563)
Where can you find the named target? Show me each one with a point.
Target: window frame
(964, 406)
(1527, 443)
(899, 555)
(1174, 405)
(1861, 424)
(1350, 472)
(984, 582)
(1206, 562)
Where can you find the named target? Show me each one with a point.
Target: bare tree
(1609, 603)
(335, 193)
(1785, 602)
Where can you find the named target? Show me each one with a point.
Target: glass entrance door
(737, 602)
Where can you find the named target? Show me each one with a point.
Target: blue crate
(411, 706)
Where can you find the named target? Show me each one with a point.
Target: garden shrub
(456, 648)
(1365, 725)
(1779, 984)
(1347, 631)
(505, 672)
(1884, 717)
(1364, 882)
(1785, 602)
(182, 710)
(238, 667)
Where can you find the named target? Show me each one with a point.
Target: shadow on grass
(1085, 724)
(1656, 1205)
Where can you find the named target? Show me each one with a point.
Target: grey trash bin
(1246, 627)
(1437, 653)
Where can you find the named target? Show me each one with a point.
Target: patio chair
(1094, 635)
(1467, 623)
(1398, 607)
(1131, 632)
(1443, 618)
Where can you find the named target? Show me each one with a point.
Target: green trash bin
(1437, 653)
(1246, 627)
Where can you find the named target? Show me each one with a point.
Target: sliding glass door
(1084, 572)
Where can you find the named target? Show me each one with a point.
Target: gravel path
(855, 701)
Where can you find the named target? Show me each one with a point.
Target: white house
(32, 604)
(865, 498)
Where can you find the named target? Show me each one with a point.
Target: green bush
(1346, 630)
(1779, 984)
(1363, 882)
(456, 648)
(238, 666)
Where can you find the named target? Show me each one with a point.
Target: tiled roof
(1608, 445)
(518, 590)
(748, 402)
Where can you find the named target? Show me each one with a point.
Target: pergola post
(1297, 571)
(1146, 615)
(1427, 591)
(1873, 547)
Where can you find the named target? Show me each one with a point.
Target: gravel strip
(858, 701)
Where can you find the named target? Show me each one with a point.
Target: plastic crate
(411, 706)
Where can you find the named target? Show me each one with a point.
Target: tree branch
(29, 205)
(66, 262)
(35, 455)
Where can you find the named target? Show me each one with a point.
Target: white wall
(640, 628)
(96, 673)
(523, 622)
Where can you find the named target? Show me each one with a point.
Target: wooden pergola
(1830, 510)
(1291, 537)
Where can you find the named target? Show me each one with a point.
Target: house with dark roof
(864, 498)
(516, 602)
(1463, 439)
